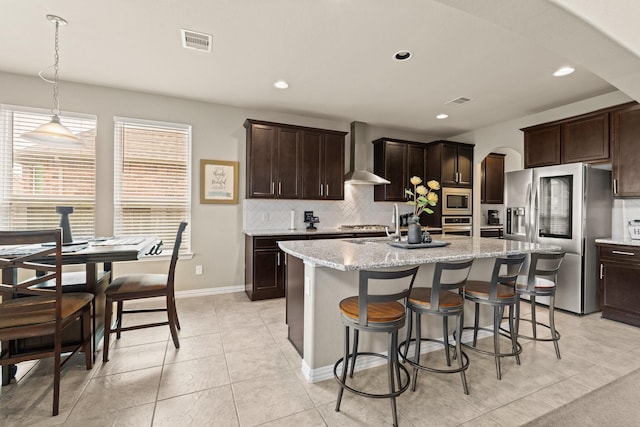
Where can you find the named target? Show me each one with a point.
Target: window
(152, 185)
(36, 177)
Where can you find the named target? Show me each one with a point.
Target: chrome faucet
(395, 219)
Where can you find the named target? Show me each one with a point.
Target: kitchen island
(323, 272)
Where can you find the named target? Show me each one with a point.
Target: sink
(377, 240)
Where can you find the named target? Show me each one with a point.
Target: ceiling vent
(459, 100)
(197, 41)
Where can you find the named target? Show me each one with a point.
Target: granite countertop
(365, 253)
(626, 241)
(337, 230)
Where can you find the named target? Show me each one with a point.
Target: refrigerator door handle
(534, 232)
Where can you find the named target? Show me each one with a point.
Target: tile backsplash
(357, 207)
(624, 210)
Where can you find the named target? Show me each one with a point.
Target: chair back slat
(505, 272)
(544, 264)
(174, 257)
(364, 297)
(449, 276)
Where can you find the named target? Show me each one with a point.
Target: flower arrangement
(423, 198)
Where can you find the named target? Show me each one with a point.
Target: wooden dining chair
(140, 286)
(28, 312)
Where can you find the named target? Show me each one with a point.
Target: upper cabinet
(451, 163)
(541, 146)
(492, 187)
(293, 162)
(323, 166)
(626, 152)
(397, 161)
(585, 138)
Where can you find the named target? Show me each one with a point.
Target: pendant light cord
(56, 104)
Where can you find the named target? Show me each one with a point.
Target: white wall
(218, 133)
(506, 137)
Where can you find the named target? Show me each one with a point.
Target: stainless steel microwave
(456, 201)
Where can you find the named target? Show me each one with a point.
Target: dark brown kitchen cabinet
(542, 146)
(273, 161)
(264, 267)
(626, 151)
(492, 183)
(586, 139)
(323, 165)
(397, 161)
(495, 233)
(450, 163)
(619, 268)
(294, 162)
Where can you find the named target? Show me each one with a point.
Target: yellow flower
(433, 184)
(422, 190)
(415, 180)
(432, 197)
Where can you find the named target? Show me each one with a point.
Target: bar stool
(439, 300)
(375, 313)
(498, 293)
(541, 281)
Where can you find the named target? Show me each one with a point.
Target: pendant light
(53, 131)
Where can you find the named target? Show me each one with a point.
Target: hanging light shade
(53, 131)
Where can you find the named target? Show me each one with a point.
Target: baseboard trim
(209, 291)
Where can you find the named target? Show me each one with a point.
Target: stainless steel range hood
(357, 143)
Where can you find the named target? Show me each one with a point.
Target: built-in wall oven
(456, 201)
(457, 225)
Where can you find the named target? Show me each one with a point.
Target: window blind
(36, 177)
(152, 185)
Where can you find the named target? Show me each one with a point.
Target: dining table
(97, 256)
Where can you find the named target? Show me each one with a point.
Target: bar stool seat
(499, 293)
(378, 312)
(373, 312)
(439, 300)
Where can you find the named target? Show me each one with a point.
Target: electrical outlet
(198, 270)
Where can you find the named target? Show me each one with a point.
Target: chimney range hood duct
(360, 176)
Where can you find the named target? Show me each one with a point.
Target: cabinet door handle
(615, 186)
(278, 259)
(273, 187)
(623, 253)
(327, 190)
(321, 190)
(279, 187)
(601, 271)
(459, 177)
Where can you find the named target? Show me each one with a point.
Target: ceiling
(336, 56)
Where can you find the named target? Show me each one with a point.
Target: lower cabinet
(264, 268)
(492, 232)
(619, 269)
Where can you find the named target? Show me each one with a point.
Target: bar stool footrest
(452, 370)
(490, 353)
(402, 387)
(544, 325)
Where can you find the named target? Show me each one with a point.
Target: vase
(414, 231)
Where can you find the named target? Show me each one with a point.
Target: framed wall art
(218, 181)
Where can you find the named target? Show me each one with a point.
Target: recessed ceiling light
(402, 55)
(442, 116)
(281, 84)
(564, 71)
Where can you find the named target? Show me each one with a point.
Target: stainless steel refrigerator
(568, 206)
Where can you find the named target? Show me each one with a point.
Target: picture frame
(218, 181)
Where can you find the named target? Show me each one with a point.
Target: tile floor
(236, 367)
